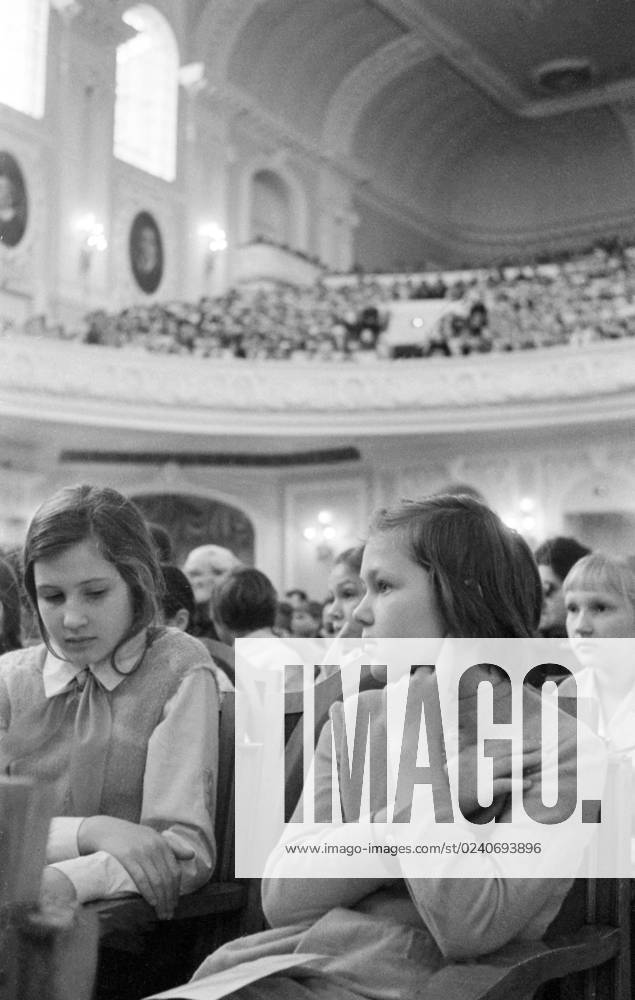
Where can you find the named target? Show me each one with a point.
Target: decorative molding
(490, 78)
(130, 388)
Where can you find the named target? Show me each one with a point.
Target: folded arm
(172, 849)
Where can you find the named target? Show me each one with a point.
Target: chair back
(224, 823)
(224, 657)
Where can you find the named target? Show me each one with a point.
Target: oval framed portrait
(146, 252)
(13, 201)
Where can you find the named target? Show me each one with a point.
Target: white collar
(58, 674)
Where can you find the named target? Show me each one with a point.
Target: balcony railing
(57, 380)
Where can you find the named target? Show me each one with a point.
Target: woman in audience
(119, 717)
(10, 616)
(444, 566)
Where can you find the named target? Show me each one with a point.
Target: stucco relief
(132, 378)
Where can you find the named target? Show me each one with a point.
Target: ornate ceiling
(407, 94)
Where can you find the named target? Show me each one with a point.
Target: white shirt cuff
(97, 876)
(62, 840)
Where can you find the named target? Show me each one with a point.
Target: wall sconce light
(524, 518)
(322, 534)
(192, 77)
(216, 241)
(93, 240)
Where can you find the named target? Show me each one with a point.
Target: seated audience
(589, 296)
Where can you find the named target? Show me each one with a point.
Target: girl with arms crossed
(118, 717)
(444, 566)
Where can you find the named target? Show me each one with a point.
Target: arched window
(147, 94)
(23, 31)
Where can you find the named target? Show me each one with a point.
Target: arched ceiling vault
(365, 82)
(406, 92)
(215, 33)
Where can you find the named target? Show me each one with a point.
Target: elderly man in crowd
(205, 567)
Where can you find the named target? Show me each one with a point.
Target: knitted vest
(136, 706)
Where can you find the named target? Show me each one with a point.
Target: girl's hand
(503, 784)
(56, 888)
(151, 862)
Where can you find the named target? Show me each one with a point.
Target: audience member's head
(244, 602)
(344, 594)
(599, 598)
(481, 575)
(207, 566)
(555, 557)
(10, 610)
(177, 606)
(306, 620)
(283, 618)
(296, 597)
